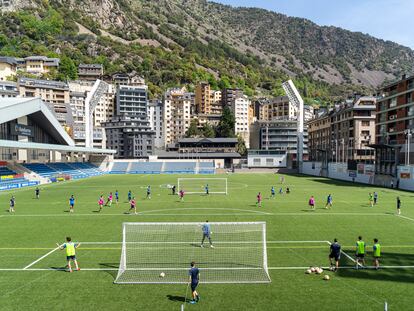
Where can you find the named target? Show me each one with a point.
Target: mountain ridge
(243, 47)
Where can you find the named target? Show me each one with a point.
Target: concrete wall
(339, 171)
(406, 177)
(365, 175)
(255, 160)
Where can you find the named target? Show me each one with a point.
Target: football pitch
(32, 274)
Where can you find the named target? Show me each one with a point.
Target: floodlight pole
(296, 100)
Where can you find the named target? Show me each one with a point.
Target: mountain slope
(172, 42)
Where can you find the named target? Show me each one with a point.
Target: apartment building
(344, 133)
(274, 144)
(129, 131)
(130, 136)
(8, 68)
(55, 93)
(90, 72)
(127, 79)
(155, 117)
(280, 108)
(8, 89)
(240, 109)
(177, 114)
(395, 125)
(207, 101)
(103, 111)
(131, 100)
(228, 95)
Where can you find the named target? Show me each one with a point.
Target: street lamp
(409, 133)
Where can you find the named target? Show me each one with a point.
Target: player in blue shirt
(71, 203)
(335, 253)
(206, 234)
(129, 196)
(272, 192)
(328, 201)
(149, 192)
(12, 204)
(116, 196)
(194, 278)
(206, 188)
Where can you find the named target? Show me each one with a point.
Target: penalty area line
(41, 258)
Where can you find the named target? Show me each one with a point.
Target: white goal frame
(201, 192)
(123, 264)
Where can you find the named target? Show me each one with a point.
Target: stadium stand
(41, 169)
(75, 170)
(163, 167)
(180, 168)
(119, 168)
(4, 170)
(206, 168)
(145, 168)
(9, 179)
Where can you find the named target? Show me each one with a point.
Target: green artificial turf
(37, 225)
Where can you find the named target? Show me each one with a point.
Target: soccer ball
(313, 269)
(326, 278)
(320, 270)
(162, 275)
(309, 271)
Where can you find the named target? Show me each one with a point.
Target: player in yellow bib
(360, 253)
(70, 252)
(377, 253)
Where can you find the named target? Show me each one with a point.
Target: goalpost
(162, 252)
(198, 185)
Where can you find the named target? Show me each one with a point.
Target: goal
(198, 185)
(162, 252)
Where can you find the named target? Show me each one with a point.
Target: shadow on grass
(112, 273)
(398, 274)
(60, 269)
(176, 298)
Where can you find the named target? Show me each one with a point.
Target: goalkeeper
(206, 234)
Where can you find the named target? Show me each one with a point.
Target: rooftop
(207, 140)
(8, 60)
(43, 83)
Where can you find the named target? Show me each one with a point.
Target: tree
(226, 124)
(67, 69)
(241, 146)
(208, 131)
(193, 130)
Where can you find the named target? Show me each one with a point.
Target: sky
(385, 19)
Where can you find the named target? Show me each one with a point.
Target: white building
(155, 117)
(103, 111)
(177, 114)
(240, 109)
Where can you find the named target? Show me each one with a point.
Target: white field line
(248, 213)
(192, 242)
(185, 269)
(405, 217)
(205, 208)
(346, 255)
(39, 259)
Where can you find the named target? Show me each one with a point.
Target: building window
(365, 123)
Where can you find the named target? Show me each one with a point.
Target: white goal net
(162, 252)
(201, 185)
